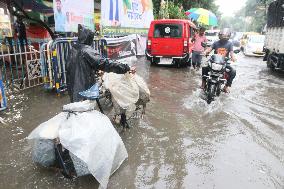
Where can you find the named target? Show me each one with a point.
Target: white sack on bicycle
(87, 134)
(144, 92)
(123, 88)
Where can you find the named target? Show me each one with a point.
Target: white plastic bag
(80, 106)
(89, 135)
(92, 138)
(48, 129)
(142, 84)
(123, 88)
(144, 92)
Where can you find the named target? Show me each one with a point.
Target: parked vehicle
(254, 45)
(212, 36)
(274, 48)
(170, 39)
(244, 38)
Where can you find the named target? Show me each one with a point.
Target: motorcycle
(217, 77)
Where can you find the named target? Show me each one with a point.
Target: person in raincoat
(84, 61)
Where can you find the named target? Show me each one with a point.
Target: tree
(236, 23)
(176, 11)
(164, 11)
(257, 10)
(187, 4)
(252, 17)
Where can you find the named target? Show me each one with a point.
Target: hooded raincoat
(83, 62)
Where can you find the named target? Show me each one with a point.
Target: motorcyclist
(84, 61)
(225, 48)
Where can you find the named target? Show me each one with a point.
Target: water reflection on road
(235, 142)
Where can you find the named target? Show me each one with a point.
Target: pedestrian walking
(198, 48)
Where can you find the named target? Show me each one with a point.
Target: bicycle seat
(91, 93)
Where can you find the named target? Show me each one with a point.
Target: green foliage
(236, 23)
(252, 17)
(174, 5)
(256, 11)
(156, 7)
(175, 11)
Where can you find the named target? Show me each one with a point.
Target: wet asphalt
(235, 142)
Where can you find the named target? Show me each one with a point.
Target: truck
(274, 40)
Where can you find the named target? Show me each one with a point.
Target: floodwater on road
(235, 142)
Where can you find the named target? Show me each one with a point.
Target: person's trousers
(196, 58)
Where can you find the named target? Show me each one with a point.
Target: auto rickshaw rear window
(168, 31)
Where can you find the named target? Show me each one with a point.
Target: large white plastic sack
(144, 92)
(123, 88)
(91, 137)
(48, 129)
(142, 84)
(126, 89)
(80, 106)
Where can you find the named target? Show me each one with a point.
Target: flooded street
(235, 142)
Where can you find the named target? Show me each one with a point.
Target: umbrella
(202, 16)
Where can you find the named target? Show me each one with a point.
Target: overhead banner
(126, 16)
(69, 13)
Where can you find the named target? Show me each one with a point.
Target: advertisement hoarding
(69, 13)
(126, 16)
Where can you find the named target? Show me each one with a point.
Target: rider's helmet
(225, 34)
